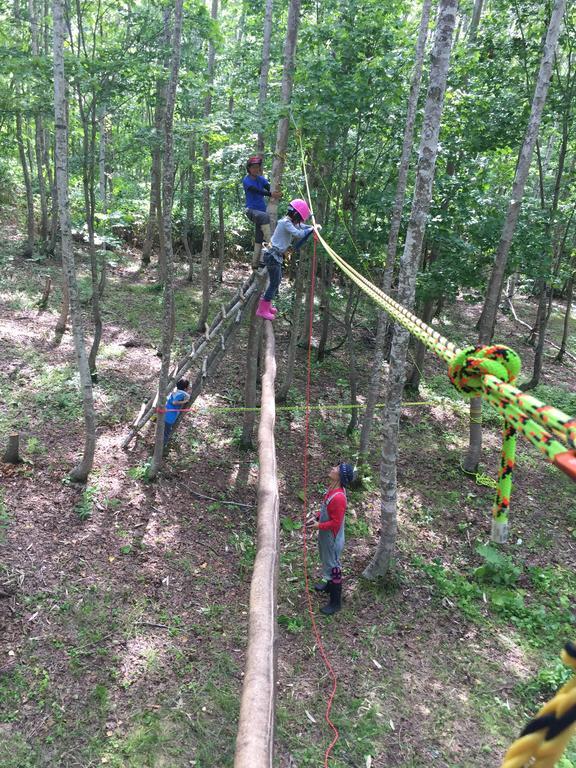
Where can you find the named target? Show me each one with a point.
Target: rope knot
(472, 363)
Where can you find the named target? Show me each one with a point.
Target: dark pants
(167, 431)
(259, 218)
(274, 275)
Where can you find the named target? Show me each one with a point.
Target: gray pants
(330, 548)
(259, 218)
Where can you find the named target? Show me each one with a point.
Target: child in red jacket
(330, 527)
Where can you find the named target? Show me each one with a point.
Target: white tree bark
(494, 291)
(79, 473)
(264, 70)
(284, 121)
(167, 199)
(207, 239)
(440, 60)
(395, 221)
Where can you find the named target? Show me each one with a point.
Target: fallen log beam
(256, 727)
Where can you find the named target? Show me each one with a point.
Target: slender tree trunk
(440, 59)
(283, 122)
(207, 239)
(327, 271)
(151, 223)
(30, 228)
(413, 381)
(475, 21)
(79, 473)
(39, 148)
(305, 332)
(566, 327)
(221, 235)
(494, 291)
(381, 333)
(167, 199)
(352, 354)
(487, 320)
(102, 186)
(264, 70)
(39, 130)
(155, 210)
(293, 342)
(190, 201)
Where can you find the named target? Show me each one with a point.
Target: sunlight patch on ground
(142, 655)
(159, 536)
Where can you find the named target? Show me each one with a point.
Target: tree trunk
(264, 70)
(305, 332)
(12, 452)
(155, 209)
(190, 201)
(327, 271)
(283, 122)
(79, 473)
(29, 250)
(494, 291)
(542, 323)
(569, 296)
(440, 59)
(151, 223)
(207, 239)
(352, 354)
(413, 381)
(487, 320)
(395, 221)
(221, 235)
(475, 21)
(102, 186)
(293, 342)
(167, 198)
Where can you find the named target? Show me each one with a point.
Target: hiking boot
(335, 604)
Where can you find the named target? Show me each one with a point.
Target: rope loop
(469, 365)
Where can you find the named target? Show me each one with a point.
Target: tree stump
(43, 301)
(11, 454)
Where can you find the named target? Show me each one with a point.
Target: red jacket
(336, 510)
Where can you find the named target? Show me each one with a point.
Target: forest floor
(123, 605)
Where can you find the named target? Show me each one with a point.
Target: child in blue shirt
(256, 189)
(174, 404)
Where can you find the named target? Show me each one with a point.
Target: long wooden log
(256, 727)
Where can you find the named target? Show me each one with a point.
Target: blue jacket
(256, 189)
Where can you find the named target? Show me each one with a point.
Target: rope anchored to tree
(488, 372)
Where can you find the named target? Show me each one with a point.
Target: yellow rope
(543, 741)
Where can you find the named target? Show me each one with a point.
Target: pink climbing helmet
(301, 208)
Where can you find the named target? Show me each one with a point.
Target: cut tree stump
(12, 454)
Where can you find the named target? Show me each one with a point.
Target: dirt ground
(123, 604)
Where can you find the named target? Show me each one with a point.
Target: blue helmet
(347, 473)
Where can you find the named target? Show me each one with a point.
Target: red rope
(315, 629)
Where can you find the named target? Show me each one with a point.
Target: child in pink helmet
(290, 227)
